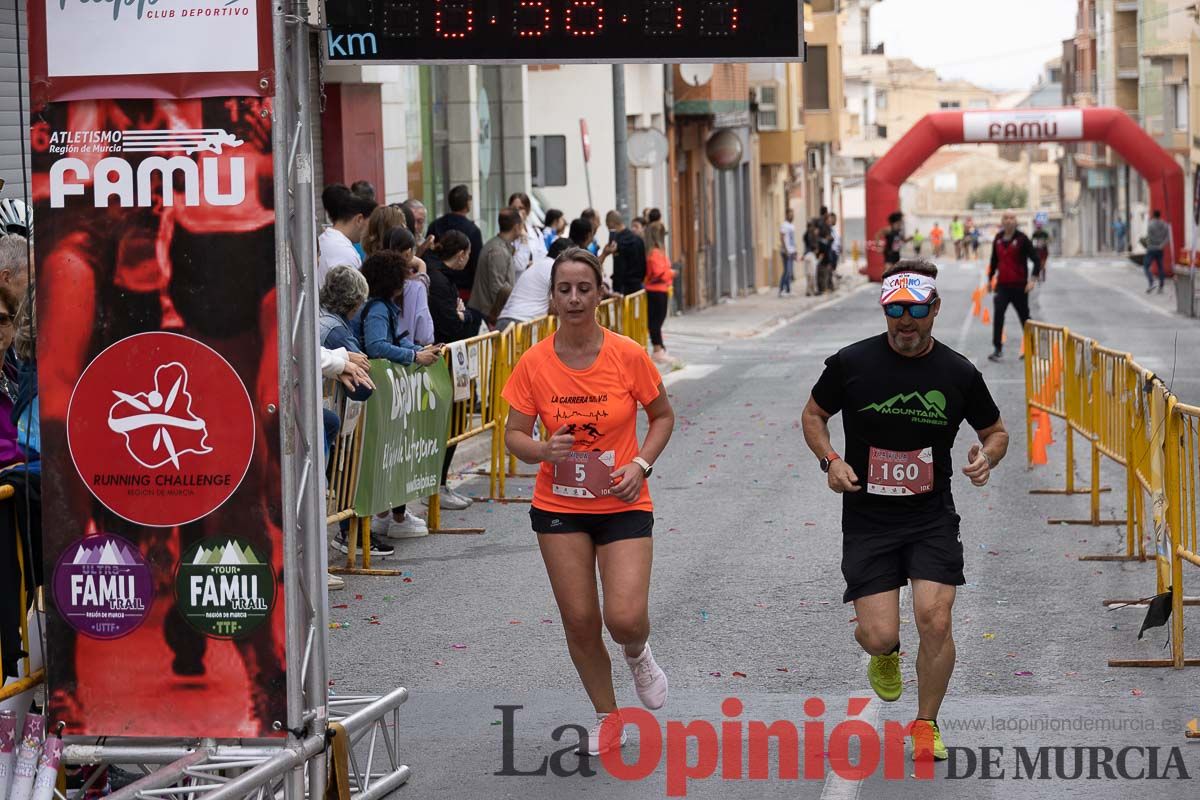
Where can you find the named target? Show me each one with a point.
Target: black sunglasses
(915, 310)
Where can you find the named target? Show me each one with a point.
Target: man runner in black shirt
(903, 396)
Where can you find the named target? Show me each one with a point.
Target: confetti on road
(715, 674)
(781, 669)
(989, 636)
(1024, 673)
(514, 622)
(739, 674)
(437, 663)
(1137, 692)
(341, 605)
(458, 647)
(333, 626)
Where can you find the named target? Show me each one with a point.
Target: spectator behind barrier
(377, 324)
(414, 298)
(530, 298)
(381, 222)
(452, 321)
(20, 517)
(342, 297)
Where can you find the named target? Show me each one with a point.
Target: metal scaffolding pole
(299, 392)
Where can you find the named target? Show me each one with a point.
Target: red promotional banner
(94, 50)
(158, 381)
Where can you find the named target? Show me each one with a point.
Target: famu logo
(224, 587)
(928, 408)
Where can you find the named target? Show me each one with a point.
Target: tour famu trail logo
(224, 587)
(147, 420)
(928, 408)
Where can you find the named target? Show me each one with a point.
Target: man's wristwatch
(828, 460)
(647, 468)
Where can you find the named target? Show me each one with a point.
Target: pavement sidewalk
(754, 314)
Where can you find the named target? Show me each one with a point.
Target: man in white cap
(903, 396)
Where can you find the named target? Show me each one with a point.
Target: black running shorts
(603, 528)
(881, 561)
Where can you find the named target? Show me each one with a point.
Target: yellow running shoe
(884, 674)
(926, 737)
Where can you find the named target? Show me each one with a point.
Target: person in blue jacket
(377, 327)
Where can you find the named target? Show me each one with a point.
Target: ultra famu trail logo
(926, 409)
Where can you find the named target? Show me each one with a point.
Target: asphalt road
(746, 592)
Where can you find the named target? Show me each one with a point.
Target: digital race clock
(562, 31)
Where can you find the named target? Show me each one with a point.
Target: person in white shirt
(349, 214)
(530, 246)
(787, 250)
(530, 298)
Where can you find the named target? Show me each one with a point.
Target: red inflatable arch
(1109, 125)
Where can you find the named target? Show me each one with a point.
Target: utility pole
(620, 156)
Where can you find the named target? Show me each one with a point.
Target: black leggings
(1005, 296)
(657, 303)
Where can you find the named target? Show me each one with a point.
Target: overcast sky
(1000, 44)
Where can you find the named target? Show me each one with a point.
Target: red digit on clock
(454, 19)
(531, 18)
(584, 17)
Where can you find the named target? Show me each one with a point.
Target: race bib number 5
(586, 475)
(895, 472)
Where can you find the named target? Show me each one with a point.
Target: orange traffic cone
(987, 318)
(1039, 439)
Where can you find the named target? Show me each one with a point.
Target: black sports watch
(647, 467)
(827, 461)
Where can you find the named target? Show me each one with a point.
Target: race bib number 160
(894, 472)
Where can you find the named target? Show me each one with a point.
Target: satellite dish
(647, 148)
(696, 74)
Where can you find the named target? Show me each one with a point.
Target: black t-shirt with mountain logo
(901, 416)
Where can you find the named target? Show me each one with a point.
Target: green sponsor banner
(404, 441)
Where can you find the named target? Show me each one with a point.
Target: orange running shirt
(600, 403)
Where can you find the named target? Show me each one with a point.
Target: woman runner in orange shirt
(591, 506)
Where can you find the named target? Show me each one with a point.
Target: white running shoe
(412, 527)
(335, 582)
(649, 679)
(601, 739)
(452, 500)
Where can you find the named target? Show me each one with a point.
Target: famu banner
(158, 376)
(404, 442)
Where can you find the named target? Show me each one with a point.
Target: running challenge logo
(927, 409)
(854, 750)
(94, 161)
(161, 429)
(147, 419)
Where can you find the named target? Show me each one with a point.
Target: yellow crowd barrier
(476, 414)
(342, 467)
(32, 677)
(1129, 417)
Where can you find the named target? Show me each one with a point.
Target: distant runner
(1012, 252)
(903, 396)
(1041, 246)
